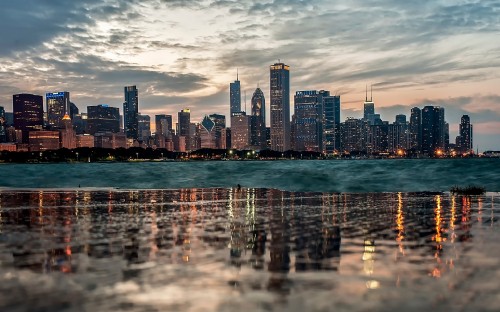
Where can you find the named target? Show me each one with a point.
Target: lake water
(247, 250)
(360, 235)
(392, 175)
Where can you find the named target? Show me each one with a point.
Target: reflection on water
(251, 248)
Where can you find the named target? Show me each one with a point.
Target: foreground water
(392, 175)
(247, 250)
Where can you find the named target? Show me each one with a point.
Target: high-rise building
(280, 107)
(80, 123)
(308, 121)
(3, 134)
(103, 118)
(331, 123)
(258, 119)
(220, 125)
(353, 134)
(207, 133)
(144, 127)
(131, 112)
(416, 129)
(378, 138)
(369, 109)
(28, 114)
(465, 132)
(67, 134)
(9, 119)
(58, 105)
(163, 125)
(183, 128)
(73, 110)
(235, 96)
(240, 131)
(433, 130)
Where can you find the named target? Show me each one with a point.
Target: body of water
(247, 250)
(392, 175)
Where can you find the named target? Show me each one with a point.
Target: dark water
(393, 175)
(247, 250)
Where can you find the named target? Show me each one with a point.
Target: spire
(371, 93)
(237, 75)
(366, 97)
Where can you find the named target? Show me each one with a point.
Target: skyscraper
(58, 105)
(240, 131)
(280, 107)
(465, 132)
(416, 129)
(73, 110)
(3, 136)
(183, 128)
(331, 123)
(235, 96)
(207, 135)
(433, 130)
(144, 127)
(308, 121)
(67, 136)
(102, 118)
(220, 125)
(258, 119)
(369, 109)
(131, 112)
(28, 114)
(163, 125)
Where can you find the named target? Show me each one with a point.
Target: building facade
(240, 131)
(331, 124)
(235, 96)
(258, 120)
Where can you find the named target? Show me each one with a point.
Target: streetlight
(77, 159)
(137, 156)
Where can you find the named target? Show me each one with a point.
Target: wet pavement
(247, 250)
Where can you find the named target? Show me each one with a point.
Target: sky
(184, 53)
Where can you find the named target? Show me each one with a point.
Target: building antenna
(371, 93)
(237, 74)
(245, 100)
(366, 93)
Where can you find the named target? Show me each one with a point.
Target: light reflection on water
(257, 249)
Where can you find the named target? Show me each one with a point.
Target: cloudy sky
(184, 53)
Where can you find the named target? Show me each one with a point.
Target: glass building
(235, 96)
(331, 123)
(131, 112)
(103, 118)
(258, 120)
(58, 105)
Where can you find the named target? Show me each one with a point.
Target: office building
(144, 127)
(67, 134)
(308, 121)
(73, 110)
(235, 96)
(28, 114)
(110, 140)
(58, 105)
(207, 133)
(369, 109)
(183, 129)
(43, 140)
(280, 106)
(353, 134)
(103, 118)
(131, 112)
(163, 125)
(258, 120)
(240, 131)
(331, 124)
(220, 125)
(85, 140)
(3, 134)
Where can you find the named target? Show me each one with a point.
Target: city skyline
(420, 54)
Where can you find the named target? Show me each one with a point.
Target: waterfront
(390, 175)
(250, 249)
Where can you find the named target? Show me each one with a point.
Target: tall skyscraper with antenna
(369, 107)
(235, 95)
